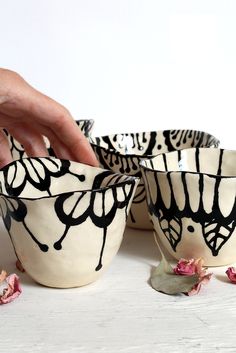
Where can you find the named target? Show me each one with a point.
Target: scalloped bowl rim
(140, 156)
(155, 170)
(129, 179)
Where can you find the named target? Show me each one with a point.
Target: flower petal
(163, 279)
(231, 273)
(188, 267)
(3, 276)
(193, 267)
(202, 280)
(12, 291)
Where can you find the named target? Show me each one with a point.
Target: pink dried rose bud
(11, 289)
(193, 267)
(231, 273)
(189, 267)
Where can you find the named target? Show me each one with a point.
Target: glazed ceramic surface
(65, 219)
(17, 150)
(192, 203)
(123, 152)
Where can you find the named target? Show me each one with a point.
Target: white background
(132, 65)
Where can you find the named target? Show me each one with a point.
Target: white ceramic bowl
(191, 197)
(66, 220)
(123, 152)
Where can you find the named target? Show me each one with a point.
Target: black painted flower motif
(35, 171)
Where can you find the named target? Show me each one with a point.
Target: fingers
(22, 103)
(34, 144)
(5, 154)
(31, 139)
(74, 142)
(81, 151)
(61, 129)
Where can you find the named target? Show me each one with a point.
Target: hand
(28, 115)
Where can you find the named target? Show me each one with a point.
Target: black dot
(159, 147)
(43, 247)
(82, 177)
(57, 245)
(190, 229)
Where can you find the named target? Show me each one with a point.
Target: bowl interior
(39, 177)
(210, 161)
(154, 142)
(85, 125)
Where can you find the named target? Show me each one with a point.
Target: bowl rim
(143, 156)
(158, 171)
(89, 120)
(130, 179)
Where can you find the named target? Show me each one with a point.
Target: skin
(28, 115)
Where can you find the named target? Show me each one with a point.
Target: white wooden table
(118, 313)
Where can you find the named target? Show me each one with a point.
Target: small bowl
(17, 150)
(122, 153)
(65, 219)
(191, 196)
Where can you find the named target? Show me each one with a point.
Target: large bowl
(123, 152)
(17, 150)
(192, 203)
(66, 220)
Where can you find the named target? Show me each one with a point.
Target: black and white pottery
(122, 153)
(17, 150)
(191, 197)
(65, 219)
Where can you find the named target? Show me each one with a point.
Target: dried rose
(187, 267)
(231, 273)
(3, 276)
(187, 277)
(12, 289)
(193, 267)
(163, 279)
(203, 279)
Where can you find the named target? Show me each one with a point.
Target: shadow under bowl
(191, 197)
(122, 153)
(65, 219)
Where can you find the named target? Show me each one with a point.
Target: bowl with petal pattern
(17, 150)
(122, 153)
(65, 219)
(191, 196)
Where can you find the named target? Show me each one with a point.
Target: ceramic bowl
(66, 220)
(192, 203)
(17, 150)
(123, 152)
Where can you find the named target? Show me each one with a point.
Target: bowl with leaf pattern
(65, 219)
(17, 150)
(191, 196)
(122, 153)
